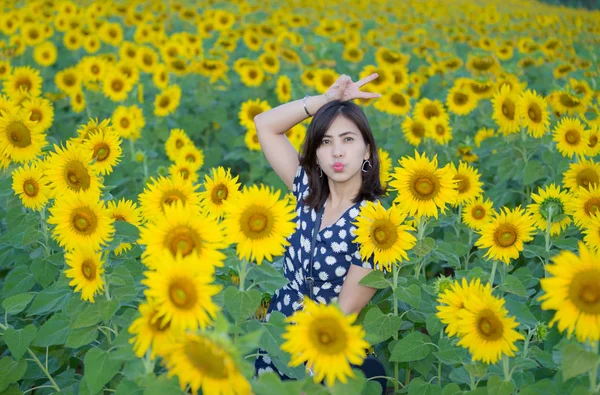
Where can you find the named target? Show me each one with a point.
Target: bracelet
(304, 101)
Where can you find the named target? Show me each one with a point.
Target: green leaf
(18, 280)
(452, 389)
(449, 354)
(241, 304)
(380, 327)
(54, 331)
(410, 295)
(269, 384)
(420, 387)
(433, 325)
(17, 303)
(90, 315)
(424, 247)
(81, 337)
(124, 233)
(43, 271)
(533, 172)
(11, 371)
(18, 340)
(107, 308)
(521, 312)
(376, 279)
(411, 348)
(577, 360)
(513, 285)
(477, 369)
(268, 278)
(497, 386)
(99, 369)
(53, 298)
(447, 253)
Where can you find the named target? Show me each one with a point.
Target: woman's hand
(344, 89)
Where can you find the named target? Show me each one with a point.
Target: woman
(337, 173)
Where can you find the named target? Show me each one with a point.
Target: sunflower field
(142, 230)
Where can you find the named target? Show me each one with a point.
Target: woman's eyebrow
(341, 135)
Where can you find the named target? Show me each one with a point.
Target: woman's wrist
(313, 103)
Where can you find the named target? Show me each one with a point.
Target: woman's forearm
(282, 118)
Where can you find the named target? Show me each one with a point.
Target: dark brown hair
(371, 187)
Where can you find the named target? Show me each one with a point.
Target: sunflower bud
(541, 331)
(442, 284)
(161, 170)
(140, 156)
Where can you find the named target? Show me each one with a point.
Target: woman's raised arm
(271, 125)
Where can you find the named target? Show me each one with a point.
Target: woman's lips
(338, 167)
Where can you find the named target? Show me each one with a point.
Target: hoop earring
(320, 170)
(363, 166)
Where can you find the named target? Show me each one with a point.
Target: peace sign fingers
(366, 80)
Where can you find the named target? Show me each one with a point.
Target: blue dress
(334, 253)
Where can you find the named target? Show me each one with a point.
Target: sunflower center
(183, 240)
(219, 193)
(593, 141)
(535, 113)
(206, 358)
(24, 83)
(384, 234)
(36, 115)
(164, 102)
(584, 291)
(182, 293)
(18, 134)
(117, 86)
(77, 176)
(31, 188)
(587, 177)
(431, 111)
(179, 143)
(489, 326)
(124, 122)
(172, 196)
(463, 183)
(70, 80)
(101, 152)
(439, 130)
(158, 324)
(327, 336)
(399, 100)
(256, 222)
(505, 235)
(424, 186)
(84, 220)
(88, 269)
(460, 98)
(592, 206)
(478, 212)
(572, 137)
(508, 109)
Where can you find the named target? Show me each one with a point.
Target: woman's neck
(342, 192)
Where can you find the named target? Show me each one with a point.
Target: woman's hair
(371, 187)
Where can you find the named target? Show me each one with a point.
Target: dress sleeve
(300, 183)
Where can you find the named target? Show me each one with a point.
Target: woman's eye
(349, 138)
(324, 141)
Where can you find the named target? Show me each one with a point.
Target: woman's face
(342, 151)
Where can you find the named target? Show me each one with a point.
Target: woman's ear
(368, 153)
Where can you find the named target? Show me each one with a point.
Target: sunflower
(550, 204)
(68, 80)
(69, 169)
(259, 223)
(505, 111)
(428, 110)
(167, 101)
(323, 337)
(533, 112)
(124, 210)
(482, 135)
(150, 334)
(160, 76)
(252, 75)
(191, 155)
(186, 170)
(574, 292)
(124, 122)
(394, 103)
(185, 231)
(29, 184)
(5, 69)
(323, 79)
(453, 299)
(80, 219)
(40, 110)
(461, 101)
(439, 129)
(106, 151)
(584, 205)
(505, 234)
(45, 54)
(162, 192)
(250, 109)
(201, 362)
(251, 140)
(23, 78)
(20, 138)
(218, 190)
(380, 232)
(93, 68)
(385, 167)
(592, 233)
(422, 187)
(116, 85)
(183, 292)
(467, 183)
(486, 330)
(584, 174)
(86, 271)
(147, 59)
(571, 137)
(84, 131)
(414, 130)
(593, 148)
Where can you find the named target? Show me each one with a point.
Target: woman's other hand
(344, 89)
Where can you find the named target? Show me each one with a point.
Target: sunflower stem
(44, 226)
(132, 149)
(148, 363)
(37, 361)
(395, 282)
(106, 291)
(506, 366)
(493, 273)
(458, 220)
(594, 372)
(547, 237)
(243, 271)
